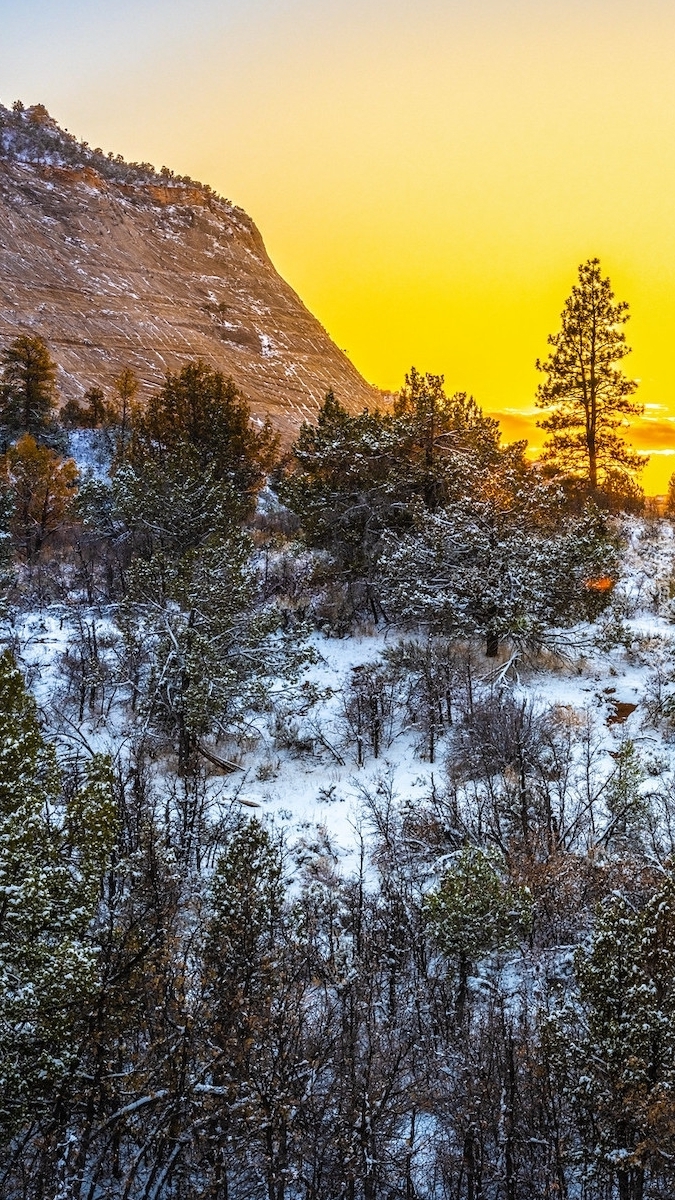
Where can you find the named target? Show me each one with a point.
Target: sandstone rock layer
(150, 275)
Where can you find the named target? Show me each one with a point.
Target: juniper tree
(212, 646)
(500, 562)
(354, 478)
(172, 507)
(345, 484)
(474, 910)
(585, 389)
(437, 427)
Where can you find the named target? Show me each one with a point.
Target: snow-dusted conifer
(51, 861)
(502, 562)
(474, 910)
(617, 1043)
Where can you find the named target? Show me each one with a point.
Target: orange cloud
(650, 434)
(654, 436)
(515, 426)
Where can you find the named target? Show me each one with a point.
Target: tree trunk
(631, 1183)
(462, 989)
(469, 1162)
(592, 460)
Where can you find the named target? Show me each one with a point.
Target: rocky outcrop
(116, 265)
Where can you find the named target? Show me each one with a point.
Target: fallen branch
(223, 763)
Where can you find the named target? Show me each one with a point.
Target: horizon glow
(426, 177)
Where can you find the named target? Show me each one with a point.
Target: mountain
(116, 264)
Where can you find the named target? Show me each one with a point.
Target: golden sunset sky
(427, 176)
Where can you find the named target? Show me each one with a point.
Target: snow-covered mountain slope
(116, 265)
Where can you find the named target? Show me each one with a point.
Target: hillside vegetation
(31, 135)
(336, 795)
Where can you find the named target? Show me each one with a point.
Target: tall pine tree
(585, 389)
(28, 389)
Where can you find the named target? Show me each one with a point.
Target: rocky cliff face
(116, 265)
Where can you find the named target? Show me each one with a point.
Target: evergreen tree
(627, 805)
(211, 645)
(346, 484)
(51, 862)
(247, 899)
(354, 478)
(618, 1043)
(89, 415)
(257, 997)
(28, 388)
(475, 910)
(441, 429)
(504, 561)
(586, 390)
(173, 508)
(121, 408)
(670, 498)
(201, 414)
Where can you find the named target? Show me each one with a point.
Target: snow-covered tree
(617, 1042)
(211, 646)
(502, 562)
(52, 858)
(345, 484)
(438, 432)
(356, 477)
(475, 909)
(172, 508)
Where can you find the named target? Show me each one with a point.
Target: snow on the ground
(298, 774)
(91, 451)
